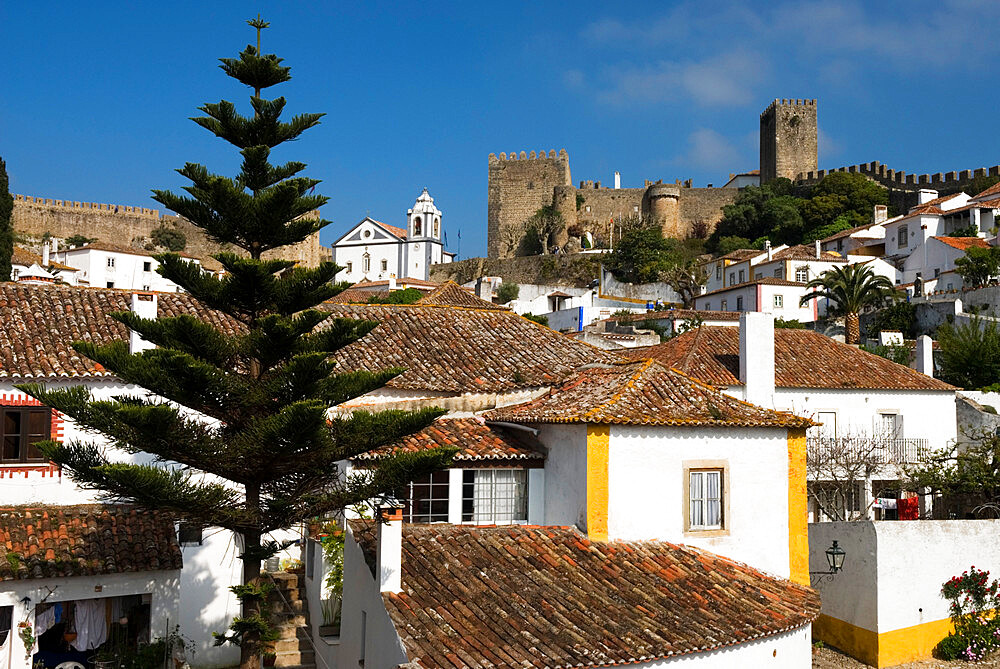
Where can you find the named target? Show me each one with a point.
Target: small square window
(802, 274)
(147, 266)
(350, 267)
(779, 301)
(111, 262)
(189, 534)
(111, 284)
(725, 306)
(739, 304)
(779, 273)
(706, 499)
(385, 265)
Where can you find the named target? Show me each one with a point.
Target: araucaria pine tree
(6, 225)
(267, 458)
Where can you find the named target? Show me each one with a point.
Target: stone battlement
(900, 179)
(88, 206)
(793, 102)
(525, 155)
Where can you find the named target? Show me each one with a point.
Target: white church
(376, 251)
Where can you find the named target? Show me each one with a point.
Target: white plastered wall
(647, 492)
(565, 474)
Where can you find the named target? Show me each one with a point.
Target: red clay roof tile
(85, 540)
(475, 439)
(548, 596)
(802, 359)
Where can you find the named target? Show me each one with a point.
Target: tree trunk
(250, 649)
(852, 328)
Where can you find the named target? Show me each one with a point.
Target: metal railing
(880, 450)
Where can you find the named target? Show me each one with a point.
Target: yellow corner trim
(798, 515)
(598, 440)
(882, 650)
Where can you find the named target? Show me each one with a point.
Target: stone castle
(520, 184)
(130, 226)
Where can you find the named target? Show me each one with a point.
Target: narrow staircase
(290, 615)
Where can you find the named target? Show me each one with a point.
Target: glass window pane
(713, 513)
(32, 451)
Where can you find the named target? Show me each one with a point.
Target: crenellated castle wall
(519, 186)
(129, 226)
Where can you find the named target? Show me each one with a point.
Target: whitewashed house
(103, 265)
(27, 266)
(612, 441)
(137, 562)
(855, 395)
(376, 251)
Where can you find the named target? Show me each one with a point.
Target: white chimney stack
(392, 282)
(767, 247)
(925, 355)
(881, 214)
(389, 561)
(819, 251)
(618, 180)
(757, 358)
(45, 254)
(143, 306)
(925, 195)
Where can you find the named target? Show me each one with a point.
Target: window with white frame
(779, 301)
(718, 272)
(425, 499)
(802, 274)
(732, 278)
(494, 496)
(742, 276)
(890, 424)
(705, 497)
(350, 267)
(111, 262)
(725, 306)
(385, 264)
(366, 263)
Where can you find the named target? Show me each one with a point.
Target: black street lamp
(835, 557)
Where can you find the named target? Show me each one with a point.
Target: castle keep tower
(518, 187)
(788, 139)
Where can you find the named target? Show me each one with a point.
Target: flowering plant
(974, 600)
(26, 632)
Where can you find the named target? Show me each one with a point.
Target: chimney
(144, 306)
(925, 355)
(819, 251)
(389, 561)
(767, 247)
(45, 254)
(392, 282)
(881, 213)
(757, 358)
(925, 195)
(618, 180)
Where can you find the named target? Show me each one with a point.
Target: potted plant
(26, 632)
(333, 555)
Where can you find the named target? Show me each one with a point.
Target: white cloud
(709, 150)
(725, 80)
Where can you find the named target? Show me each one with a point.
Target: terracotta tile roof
(462, 350)
(680, 314)
(848, 232)
(643, 392)
(992, 190)
(764, 280)
(115, 248)
(391, 229)
(805, 252)
(741, 254)
(40, 323)
(802, 359)
(962, 243)
(450, 294)
(406, 282)
(519, 596)
(921, 210)
(60, 541)
(475, 439)
(23, 256)
(358, 296)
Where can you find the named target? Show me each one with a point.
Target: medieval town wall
(130, 227)
(519, 186)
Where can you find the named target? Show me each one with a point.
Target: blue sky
(95, 97)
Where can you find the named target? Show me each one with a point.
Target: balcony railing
(877, 450)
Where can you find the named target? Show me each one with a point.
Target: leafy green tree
(6, 227)
(730, 244)
(541, 230)
(268, 459)
(970, 353)
(405, 296)
(169, 238)
(961, 469)
(841, 223)
(980, 184)
(686, 278)
(978, 265)
(541, 320)
(642, 254)
(898, 354)
(851, 288)
(79, 240)
(790, 324)
(901, 316)
(507, 292)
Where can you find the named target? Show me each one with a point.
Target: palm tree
(851, 288)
